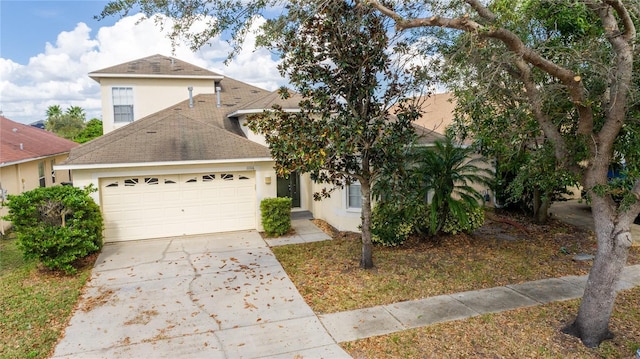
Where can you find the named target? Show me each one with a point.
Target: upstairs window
(122, 104)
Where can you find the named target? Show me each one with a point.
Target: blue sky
(47, 48)
(26, 25)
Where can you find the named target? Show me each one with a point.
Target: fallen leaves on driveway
(103, 297)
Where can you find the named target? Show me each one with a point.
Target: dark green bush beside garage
(56, 225)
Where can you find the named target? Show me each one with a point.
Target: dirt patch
(326, 227)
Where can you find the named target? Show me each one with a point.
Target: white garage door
(139, 207)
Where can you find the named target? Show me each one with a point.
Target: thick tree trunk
(614, 239)
(366, 261)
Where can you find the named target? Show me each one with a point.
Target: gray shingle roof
(166, 138)
(154, 66)
(268, 101)
(199, 133)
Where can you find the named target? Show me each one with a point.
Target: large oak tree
(601, 102)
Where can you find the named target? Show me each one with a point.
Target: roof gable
(19, 142)
(156, 66)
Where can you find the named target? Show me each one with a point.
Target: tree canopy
(71, 124)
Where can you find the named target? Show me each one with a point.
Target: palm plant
(446, 172)
(76, 112)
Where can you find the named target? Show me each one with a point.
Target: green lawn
(36, 304)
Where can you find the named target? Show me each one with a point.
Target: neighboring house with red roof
(27, 157)
(177, 159)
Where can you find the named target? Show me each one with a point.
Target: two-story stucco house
(176, 158)
(27, 157)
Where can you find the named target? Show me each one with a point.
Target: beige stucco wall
(149, 95)
(264, 173)
(257, 138)
(334, 210)
(24, 176)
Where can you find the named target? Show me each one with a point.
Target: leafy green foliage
(447, 173)
(432, 193)
(71, 125)
(391, 224)
(474, 219)
(68, 124)
(92, 129)
(56, 225)
(276, 216)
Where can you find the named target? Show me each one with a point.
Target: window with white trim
(354, 196)
(122, 104)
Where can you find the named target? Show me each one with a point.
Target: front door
(290, 187)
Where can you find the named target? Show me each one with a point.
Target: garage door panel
(140, 207)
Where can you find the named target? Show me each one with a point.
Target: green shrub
(390, 224)
(56, 225)
(276, 216)
(455, 225)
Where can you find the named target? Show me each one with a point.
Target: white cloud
(58, 75)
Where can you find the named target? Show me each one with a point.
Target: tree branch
(620, 81)
(482, 10)
(629, 28)
(573, 82)
(549, 129)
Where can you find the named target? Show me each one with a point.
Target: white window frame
(349, 205)
(122, 101)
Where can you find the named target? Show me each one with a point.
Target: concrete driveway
(578, 213)
(210, 296)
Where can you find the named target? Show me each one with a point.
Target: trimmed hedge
(56, 225)
(276, 216)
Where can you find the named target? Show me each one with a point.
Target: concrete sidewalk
(386, 319)
(305, 232)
